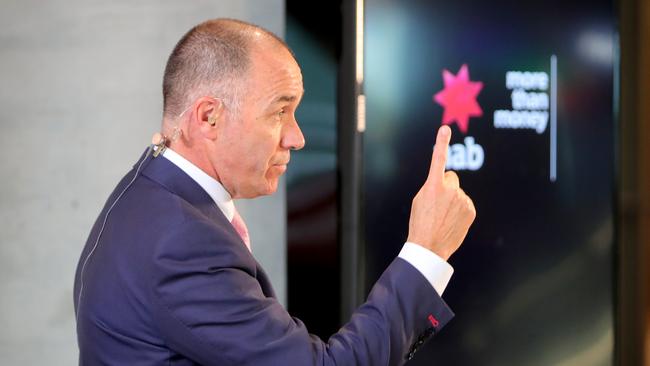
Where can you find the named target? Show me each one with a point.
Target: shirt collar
(212, 186)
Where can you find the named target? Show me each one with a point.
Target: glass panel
(528, 93)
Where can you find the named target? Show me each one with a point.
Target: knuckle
(471, 207)
(460, 196)
(450, 174)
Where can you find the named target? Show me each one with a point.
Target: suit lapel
(175, 180)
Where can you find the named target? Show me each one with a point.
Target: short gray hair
(211, 59)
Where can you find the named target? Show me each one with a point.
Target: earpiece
(212, 120)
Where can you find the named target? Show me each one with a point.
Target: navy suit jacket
(169, 282)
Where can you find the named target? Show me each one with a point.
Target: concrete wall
(79, 100)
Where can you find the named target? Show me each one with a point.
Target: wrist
(440, 252)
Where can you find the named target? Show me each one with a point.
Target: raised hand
(441, 213)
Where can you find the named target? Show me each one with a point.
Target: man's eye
(281, 113)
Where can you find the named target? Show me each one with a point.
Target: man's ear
(209, 115)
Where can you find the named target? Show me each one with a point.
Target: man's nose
(292, 137)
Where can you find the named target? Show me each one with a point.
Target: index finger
(439, 158)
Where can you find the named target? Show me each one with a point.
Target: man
(167, 276)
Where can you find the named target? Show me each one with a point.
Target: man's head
(232, 89)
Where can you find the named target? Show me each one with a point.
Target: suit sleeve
(209, 307)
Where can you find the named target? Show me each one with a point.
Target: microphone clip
(160, 141)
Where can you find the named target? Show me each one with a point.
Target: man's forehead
(271, 52)
(268, 63)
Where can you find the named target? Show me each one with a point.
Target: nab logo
(458, 98)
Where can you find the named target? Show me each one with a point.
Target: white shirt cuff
(435, 269)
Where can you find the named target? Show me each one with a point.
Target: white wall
(79, 100)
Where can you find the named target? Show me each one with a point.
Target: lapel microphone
(160, 141)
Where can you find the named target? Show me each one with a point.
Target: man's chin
(270, 187)
(273, 179)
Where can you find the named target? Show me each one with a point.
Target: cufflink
(433, 321)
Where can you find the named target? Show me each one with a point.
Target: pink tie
(240, 226)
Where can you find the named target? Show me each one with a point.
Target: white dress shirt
(212, 186)
(435, 269)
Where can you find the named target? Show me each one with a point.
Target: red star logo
(459, 98)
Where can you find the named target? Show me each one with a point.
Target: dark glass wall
(313, 33)
(528, 89)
